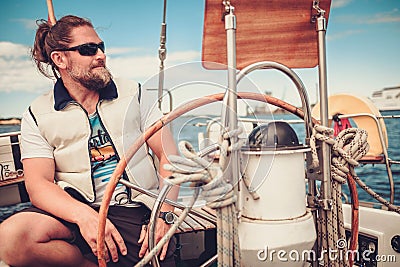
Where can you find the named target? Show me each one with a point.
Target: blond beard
(93, 81)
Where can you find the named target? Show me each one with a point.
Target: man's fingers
(93, 246)
(94, 250)
(114, 242)
(117, 238)
(144, 240)
(143, 233)
(144, 247)
(164, 251)
(112, 248)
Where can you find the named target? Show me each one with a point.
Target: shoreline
(10, 121)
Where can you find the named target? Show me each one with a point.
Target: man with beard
(71, 141)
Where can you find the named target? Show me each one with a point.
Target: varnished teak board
(267, 30)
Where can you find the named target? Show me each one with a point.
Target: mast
(51, 18)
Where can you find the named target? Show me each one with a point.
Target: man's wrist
(167, 216)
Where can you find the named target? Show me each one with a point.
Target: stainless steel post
(326, 199)
(230, 110)
(323, 93)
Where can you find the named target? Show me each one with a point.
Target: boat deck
(194, 223)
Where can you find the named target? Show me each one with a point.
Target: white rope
(349, 146)
(217, 193)
(351, 155)
(215, 190)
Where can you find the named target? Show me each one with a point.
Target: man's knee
(25, 229)
(14, 236)
(21, 233)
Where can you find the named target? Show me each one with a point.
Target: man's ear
(59, 59)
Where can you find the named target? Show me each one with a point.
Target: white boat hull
(277, 243)
(380, 225)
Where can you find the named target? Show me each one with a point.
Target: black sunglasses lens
(90, 49)
(102, 47)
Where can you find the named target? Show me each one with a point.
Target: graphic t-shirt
(104, 161)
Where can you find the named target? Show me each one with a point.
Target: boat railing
(16, 133)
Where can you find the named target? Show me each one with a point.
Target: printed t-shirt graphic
(104, 161)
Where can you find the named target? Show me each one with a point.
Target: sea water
(375, 176)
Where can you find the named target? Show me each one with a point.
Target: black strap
(23, 194)
(33, 116)
(16, 152)
(140, 93)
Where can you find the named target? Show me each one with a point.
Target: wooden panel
(12, 181)
(272, 30)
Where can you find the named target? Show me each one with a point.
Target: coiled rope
(347, 148)
(352, 156)
(215, 190)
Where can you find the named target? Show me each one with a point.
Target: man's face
(89, 71)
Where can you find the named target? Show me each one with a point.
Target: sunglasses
(89, 49)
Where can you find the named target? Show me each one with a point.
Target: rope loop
(192, 168)
(347, 148)
(226, 144)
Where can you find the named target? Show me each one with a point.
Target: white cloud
(118, 51)
(10, 50)
(184, 56)
(143, 67)
(29, 24)
(385, 17)
(341, 35)
(17, 71)
(392, 16)
(340, 3)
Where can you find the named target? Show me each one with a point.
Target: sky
(363, 54)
